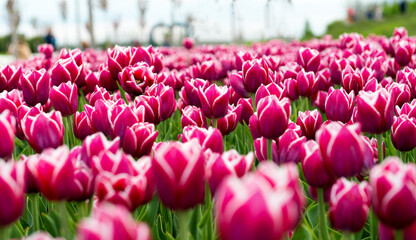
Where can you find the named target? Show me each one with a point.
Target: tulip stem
(373, 225)
(122, 93)
(70, 132)
(64, 227)
(323, 228)
(380, 147)
(183, 220)
(398, 234)
(35, 211)
(270, 149)
(214, 122)
(5, 232)
(348, 236)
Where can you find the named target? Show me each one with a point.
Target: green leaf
(50, 224)
(302, 232)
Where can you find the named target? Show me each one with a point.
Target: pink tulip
(64, 98)
(35, 87)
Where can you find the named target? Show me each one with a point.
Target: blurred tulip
(349, 205)
(138, 139)
(290, 144)
(352, 80)
(9, 77)
(117, 60)
(270, 89)
(193, 116)
(260, 148)
(11, 101)
(309, 122)
(12, 189)
(97, 144)
(308, 58)
(188, 43)
(400, 93)
(229, 122)
(210, 138)
(190, 91)
(306, 82)
(403, 52)
(7, 134)
(403, 133)
(46, 49)
(393, 185)
(105, 224)
(246, 111)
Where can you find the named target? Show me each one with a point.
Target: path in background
(6, 59)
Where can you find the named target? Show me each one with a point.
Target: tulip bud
(306, 82)
(9, 77)
(35, 87)
(46, 50)
(246, 111)
(339, 105)
(271, 119)
(375, 111)
(230, 163)
(105, 79)
(308, 58)
(336, 66)
(270, 89)
(117, 60)
(43, 130)
(95, 145)
(242, 57)
(139, 138)
(188, 43)
(65, 98)
(115, 162)
(7, 134)
(166, 98)
(403, 133)
(99, 93)
(135, 79)
(349, 205)
(181, 166)
(403, 52)
(82, 188)
(214, 101)
(313, 166)
(400, 93)
(309, 122)
(65, 70)
(393, 200)
(190, 91)
(105, 223)
(323, 80)
(193, 116)
(11, 101)
(289, 144)
(352, 80)
(319, 99)
(291, 88)
(12, 192)
(121, 118)
(210, 138)
(229, 123)
(260, 149)
(342, 148)
(387, 233)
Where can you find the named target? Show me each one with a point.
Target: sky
(212, 18)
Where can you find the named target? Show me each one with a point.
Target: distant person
(23, 49)
(402, 6)
(351, 15)
(50, 38)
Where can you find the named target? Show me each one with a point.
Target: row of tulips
(273, 141)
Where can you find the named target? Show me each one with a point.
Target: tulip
(246, 111)
(335, 67)
(65, 98)
(260, 147)
(306, 82)
(117, 60)
(387, 233)
(289, 144)
(271, 119)
(105, 79)
(180, 171)
(400, 93)
(229, 163)
(99, 115)
(370, 155)
(82, 126)
(242, 57)
(375, 111)
(403, 133)
(229, 123)
(254, 74)
(319, 99)
(352, 80)
(82, 188)
(250, 209)
(214, 101)
(291, 88)
(282, 179)
(11, 101)
(35, 87)
(313, 166)
(9, 77)
(139, 138)
(46, 49)
(309, 122)
(270, 89)
(323, 80)
(92, 80)
(190, 91)
(121, 118)
(43, 130)
(65, 70)
(105, 224)
(393, 185)
(12, 188)
(95, 145)
(342, 148)
(210, 138)
(135, 79)
(7, 134)
(308, 58)
(206, 70)
(188, 43)
(392, 67)
(408, 109)
(349, 205)
(193, 116)
(99, 93)
(170, 79)
(339, 105)
(166, 98)
(403, 52)
(114, 162)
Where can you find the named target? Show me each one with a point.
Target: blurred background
(103, 23)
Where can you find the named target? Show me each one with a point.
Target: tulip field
(278, 140)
